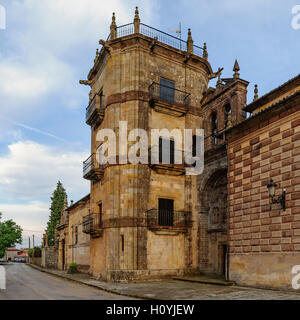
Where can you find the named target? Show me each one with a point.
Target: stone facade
(222, 220)
(123, 73)
(264, 238)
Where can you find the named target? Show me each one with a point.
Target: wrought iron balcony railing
(158, 92)
(95, 110)
(92, 169)
(161, 36)
(157, 218)
(91, 223)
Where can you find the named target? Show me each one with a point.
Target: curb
(90, 284)
(218, 283)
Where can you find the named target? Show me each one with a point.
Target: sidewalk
(176, 289)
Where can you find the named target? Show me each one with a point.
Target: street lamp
(272, 190)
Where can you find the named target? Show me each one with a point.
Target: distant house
(12, 253)
(23, 254)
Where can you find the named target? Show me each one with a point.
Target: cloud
(40, 131)
(32, 217)
(30, 171)
(47, 47)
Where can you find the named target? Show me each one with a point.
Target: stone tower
(222, 108)
(143, 219)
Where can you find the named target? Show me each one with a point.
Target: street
(26, 283)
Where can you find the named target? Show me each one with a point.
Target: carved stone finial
(136, 13)
(205, 53)
(255, 92)
(113, 27)
(97, 55)
(219, 82)
(236, 69)
(136, 21)
(190, 42)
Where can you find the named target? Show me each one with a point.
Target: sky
(49, 45)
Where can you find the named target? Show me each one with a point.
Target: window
(101, 100)
(166, 151)
(215, 218)
(165, 212)
(227, 111)
(122, 242)
(194, 146)
(100, 214)
(76, 235)
(167, 90)
(214, 127)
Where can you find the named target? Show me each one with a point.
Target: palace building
(148, 221)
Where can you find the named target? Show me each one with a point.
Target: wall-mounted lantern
(272, 190)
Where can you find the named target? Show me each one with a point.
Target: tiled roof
(257, 103)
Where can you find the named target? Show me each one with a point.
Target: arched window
(227, 115)
(214, 127)
(76, 235)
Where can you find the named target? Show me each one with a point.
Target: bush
(73, 265)
(30, 253)
(37, 252)
(73, 268)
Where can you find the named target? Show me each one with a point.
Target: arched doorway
(214, 225)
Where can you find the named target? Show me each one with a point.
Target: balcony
(178, 221)
(177, 43)
(95, 111)
(168, 100)
(92, 169)
(92, 225)
(164, 163)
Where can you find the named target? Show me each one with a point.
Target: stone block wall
(49, 257)
(264, 239)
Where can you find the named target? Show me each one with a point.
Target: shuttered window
(165, 212)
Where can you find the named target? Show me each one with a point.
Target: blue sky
(49, 45)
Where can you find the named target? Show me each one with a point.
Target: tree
(57, 205)
(10, 235)
(35, 252)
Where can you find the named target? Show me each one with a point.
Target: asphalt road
(26, 283)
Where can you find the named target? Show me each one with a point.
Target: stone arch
(213, 220)
(215, 181)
